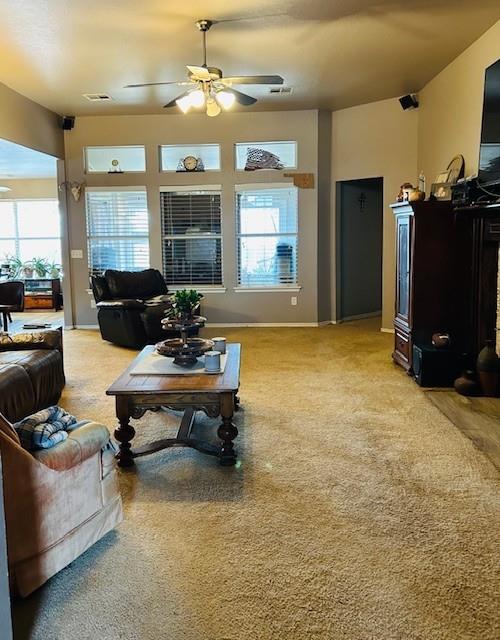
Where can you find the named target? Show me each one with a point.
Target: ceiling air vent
(97, 97)
(281, 90)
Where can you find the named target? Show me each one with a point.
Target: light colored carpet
(358, 511)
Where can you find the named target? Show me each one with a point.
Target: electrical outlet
(93, 304)
(293, 301)
(77, 253)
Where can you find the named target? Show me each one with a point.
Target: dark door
(359, 246)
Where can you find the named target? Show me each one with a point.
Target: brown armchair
(58, 502)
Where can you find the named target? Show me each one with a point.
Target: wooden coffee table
(214, 394)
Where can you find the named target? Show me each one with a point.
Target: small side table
(5, 310)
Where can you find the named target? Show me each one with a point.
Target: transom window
(30, 229)
(117, 229)
(192, 235)
(267, 232)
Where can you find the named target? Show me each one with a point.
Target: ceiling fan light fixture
(197, 98)
(213, 108)
(226, 99)
(184, 103)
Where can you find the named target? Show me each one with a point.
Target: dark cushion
(100, 288)
(135, 284)
(16, 392)
(45, 371)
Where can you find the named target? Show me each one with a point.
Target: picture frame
(442, 177)
(441, 191)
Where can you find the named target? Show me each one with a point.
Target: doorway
(359, 236)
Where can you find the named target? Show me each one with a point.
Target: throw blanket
(45, 429)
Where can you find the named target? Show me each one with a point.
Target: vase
(467, 385)
(487, 367)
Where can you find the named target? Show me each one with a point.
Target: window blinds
(267, 228)
(117, 229)
(192, 237)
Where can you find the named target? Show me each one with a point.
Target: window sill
(199, 289)
(291, 288)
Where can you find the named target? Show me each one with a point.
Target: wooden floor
(54, 318)
(477, 418)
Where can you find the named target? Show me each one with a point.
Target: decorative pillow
(8, 429)
(50, 339)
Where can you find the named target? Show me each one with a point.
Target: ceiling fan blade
(200, 73)
(241, 98)
(154, 84)
(253, 80)
(172, 103)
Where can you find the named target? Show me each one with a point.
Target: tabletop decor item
(404, 190)
(190, 163)
(467, 385)
(181, 317)
(262, 159)
(212, 361)
(487, 367)
(219, 344)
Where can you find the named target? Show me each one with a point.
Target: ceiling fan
(208, 87)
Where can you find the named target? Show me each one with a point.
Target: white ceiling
(20, 162)
(334, 53)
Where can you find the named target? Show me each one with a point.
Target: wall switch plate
(77, 253)
(293, 301)
(93, 304)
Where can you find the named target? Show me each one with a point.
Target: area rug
(357, 510)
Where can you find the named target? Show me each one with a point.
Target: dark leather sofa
(31, 372)
(131, 305)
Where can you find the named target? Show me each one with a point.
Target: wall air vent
(281, 90)
(97, 97)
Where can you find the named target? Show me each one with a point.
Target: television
(489, 157)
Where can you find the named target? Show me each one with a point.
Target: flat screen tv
(489, 158)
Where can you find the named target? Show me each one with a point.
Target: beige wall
(30, 188)
(451, 106)
(153, 130)
(29, 124)
(371, 141)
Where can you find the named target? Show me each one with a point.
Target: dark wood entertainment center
(446, 275)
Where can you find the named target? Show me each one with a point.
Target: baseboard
(86, 326)
(384, 330)
(261, 324)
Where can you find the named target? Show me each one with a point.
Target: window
(171, 156)
(117, 229)
(192, 237)
(115, 159)
(30, 229)
(286, 152)
(267, 226)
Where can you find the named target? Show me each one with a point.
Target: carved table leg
(124, 433)
(227, 432)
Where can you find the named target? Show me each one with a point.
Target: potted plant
(15, 266)
(54, 270)
(184, 304)
(40, 266)
(27, 269)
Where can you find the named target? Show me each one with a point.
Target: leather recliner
(131, 305)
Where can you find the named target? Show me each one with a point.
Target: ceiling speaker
(409, 101)
(68, 122)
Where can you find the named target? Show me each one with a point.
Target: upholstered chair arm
(82, 443)
(122, 303)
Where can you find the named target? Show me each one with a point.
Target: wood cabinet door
(403, 261)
